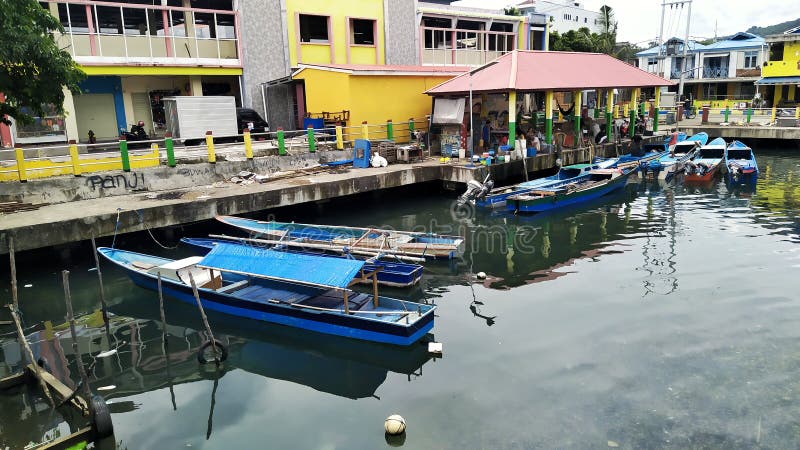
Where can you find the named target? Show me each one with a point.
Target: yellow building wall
(371, 98)
(789, 66)
(339, 12)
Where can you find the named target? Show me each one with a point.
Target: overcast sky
(639, 19)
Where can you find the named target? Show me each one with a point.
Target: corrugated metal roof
(740, 40)
(559, 71)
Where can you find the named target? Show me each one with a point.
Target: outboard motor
(476, 190)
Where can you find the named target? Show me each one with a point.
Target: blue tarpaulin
(306, 269)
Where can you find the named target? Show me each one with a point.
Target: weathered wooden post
(78, 361)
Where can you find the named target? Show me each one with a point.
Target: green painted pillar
(170, 145)
(312, 144)
(512, 118)
(634, 98)
(597, 103)
(281, 142)
(123, 152)
(609, 114)
(548, 117)
(656, 105)
(749, 113)
(727, 112)
(389, 130)
(576, 116)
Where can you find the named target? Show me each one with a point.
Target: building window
(585, 20)
(776, 51)
(576, 18)
(313, 28)
(363, 31)
(652, 61)
(751, 60)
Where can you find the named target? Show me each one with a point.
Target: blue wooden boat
(303, 291)
(377, 241)
(390, 273)
(497, 197)
(599, 183)
(667, 166)
(628, 160)
(706, 162)
(740, 163)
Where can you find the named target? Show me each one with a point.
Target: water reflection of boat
(335, 365)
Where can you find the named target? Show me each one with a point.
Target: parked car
(248, 118)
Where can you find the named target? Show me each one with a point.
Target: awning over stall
(304, 269)
(772, 81)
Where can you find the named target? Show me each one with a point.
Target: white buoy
(394, 424)
(481, 275)
(435, 348)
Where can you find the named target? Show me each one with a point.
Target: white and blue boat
(390, 273)
(706, 162)
(667, 166)
(496, 198)
(741, 163)
(374, 240)
(303, 291)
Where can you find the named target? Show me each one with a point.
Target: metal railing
(715, 72)
(77, 159)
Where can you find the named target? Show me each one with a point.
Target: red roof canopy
(523, 70)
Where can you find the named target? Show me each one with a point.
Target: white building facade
(564, 15)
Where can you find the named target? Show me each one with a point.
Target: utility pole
(661, 42)
(685, 48)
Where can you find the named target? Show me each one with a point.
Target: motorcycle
(137, 133)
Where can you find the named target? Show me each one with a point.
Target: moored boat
(740, 162)
(375, 240)
(497, 197)
(631, 160)
(674, 162)
(599, 183)
(390, 273)
(706, 162)
(302, 291)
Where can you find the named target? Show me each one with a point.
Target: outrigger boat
(302, 291)
(629, 160)
(390, 273)
(497, 197)
(706, 162)
(599, 183)
(365, 240)
(667, 166)
(740, 163)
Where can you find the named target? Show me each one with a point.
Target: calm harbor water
(664, 316)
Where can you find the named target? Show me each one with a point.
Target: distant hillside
(774, 29)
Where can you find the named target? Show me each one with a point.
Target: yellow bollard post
(339, 140)
(616, 111)
(23, 173)
(212, 157)
(797, 112)
(73, 156)
(248, 145)
(364, 130)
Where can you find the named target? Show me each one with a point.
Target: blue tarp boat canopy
(292, 267)
(778, 80)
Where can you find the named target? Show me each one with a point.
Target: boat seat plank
(264, 294)
(142, 265)
(335, 300)
(233, 286)
(395, 317)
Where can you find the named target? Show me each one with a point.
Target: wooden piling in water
(13, 262)
(203, 316)
(24, 342)
(102, 290)
(71, 319)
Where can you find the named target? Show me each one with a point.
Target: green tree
(32, 67)
(512, 11)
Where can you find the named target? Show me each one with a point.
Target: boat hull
(708, 176)
(548, 203)
(390, 273)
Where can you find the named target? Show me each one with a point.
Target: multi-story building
(135, 53)
(782, 69)
(564, 15)
(725, 70)
(365, 32)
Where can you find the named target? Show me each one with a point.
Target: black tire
(102, 425)
(223, 352)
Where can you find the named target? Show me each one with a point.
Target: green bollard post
(281, 143)
(749, 113)
(411, 125)
(727, 113)
(170, 149)
(389, 130)
(312, 145)
(123, 151)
